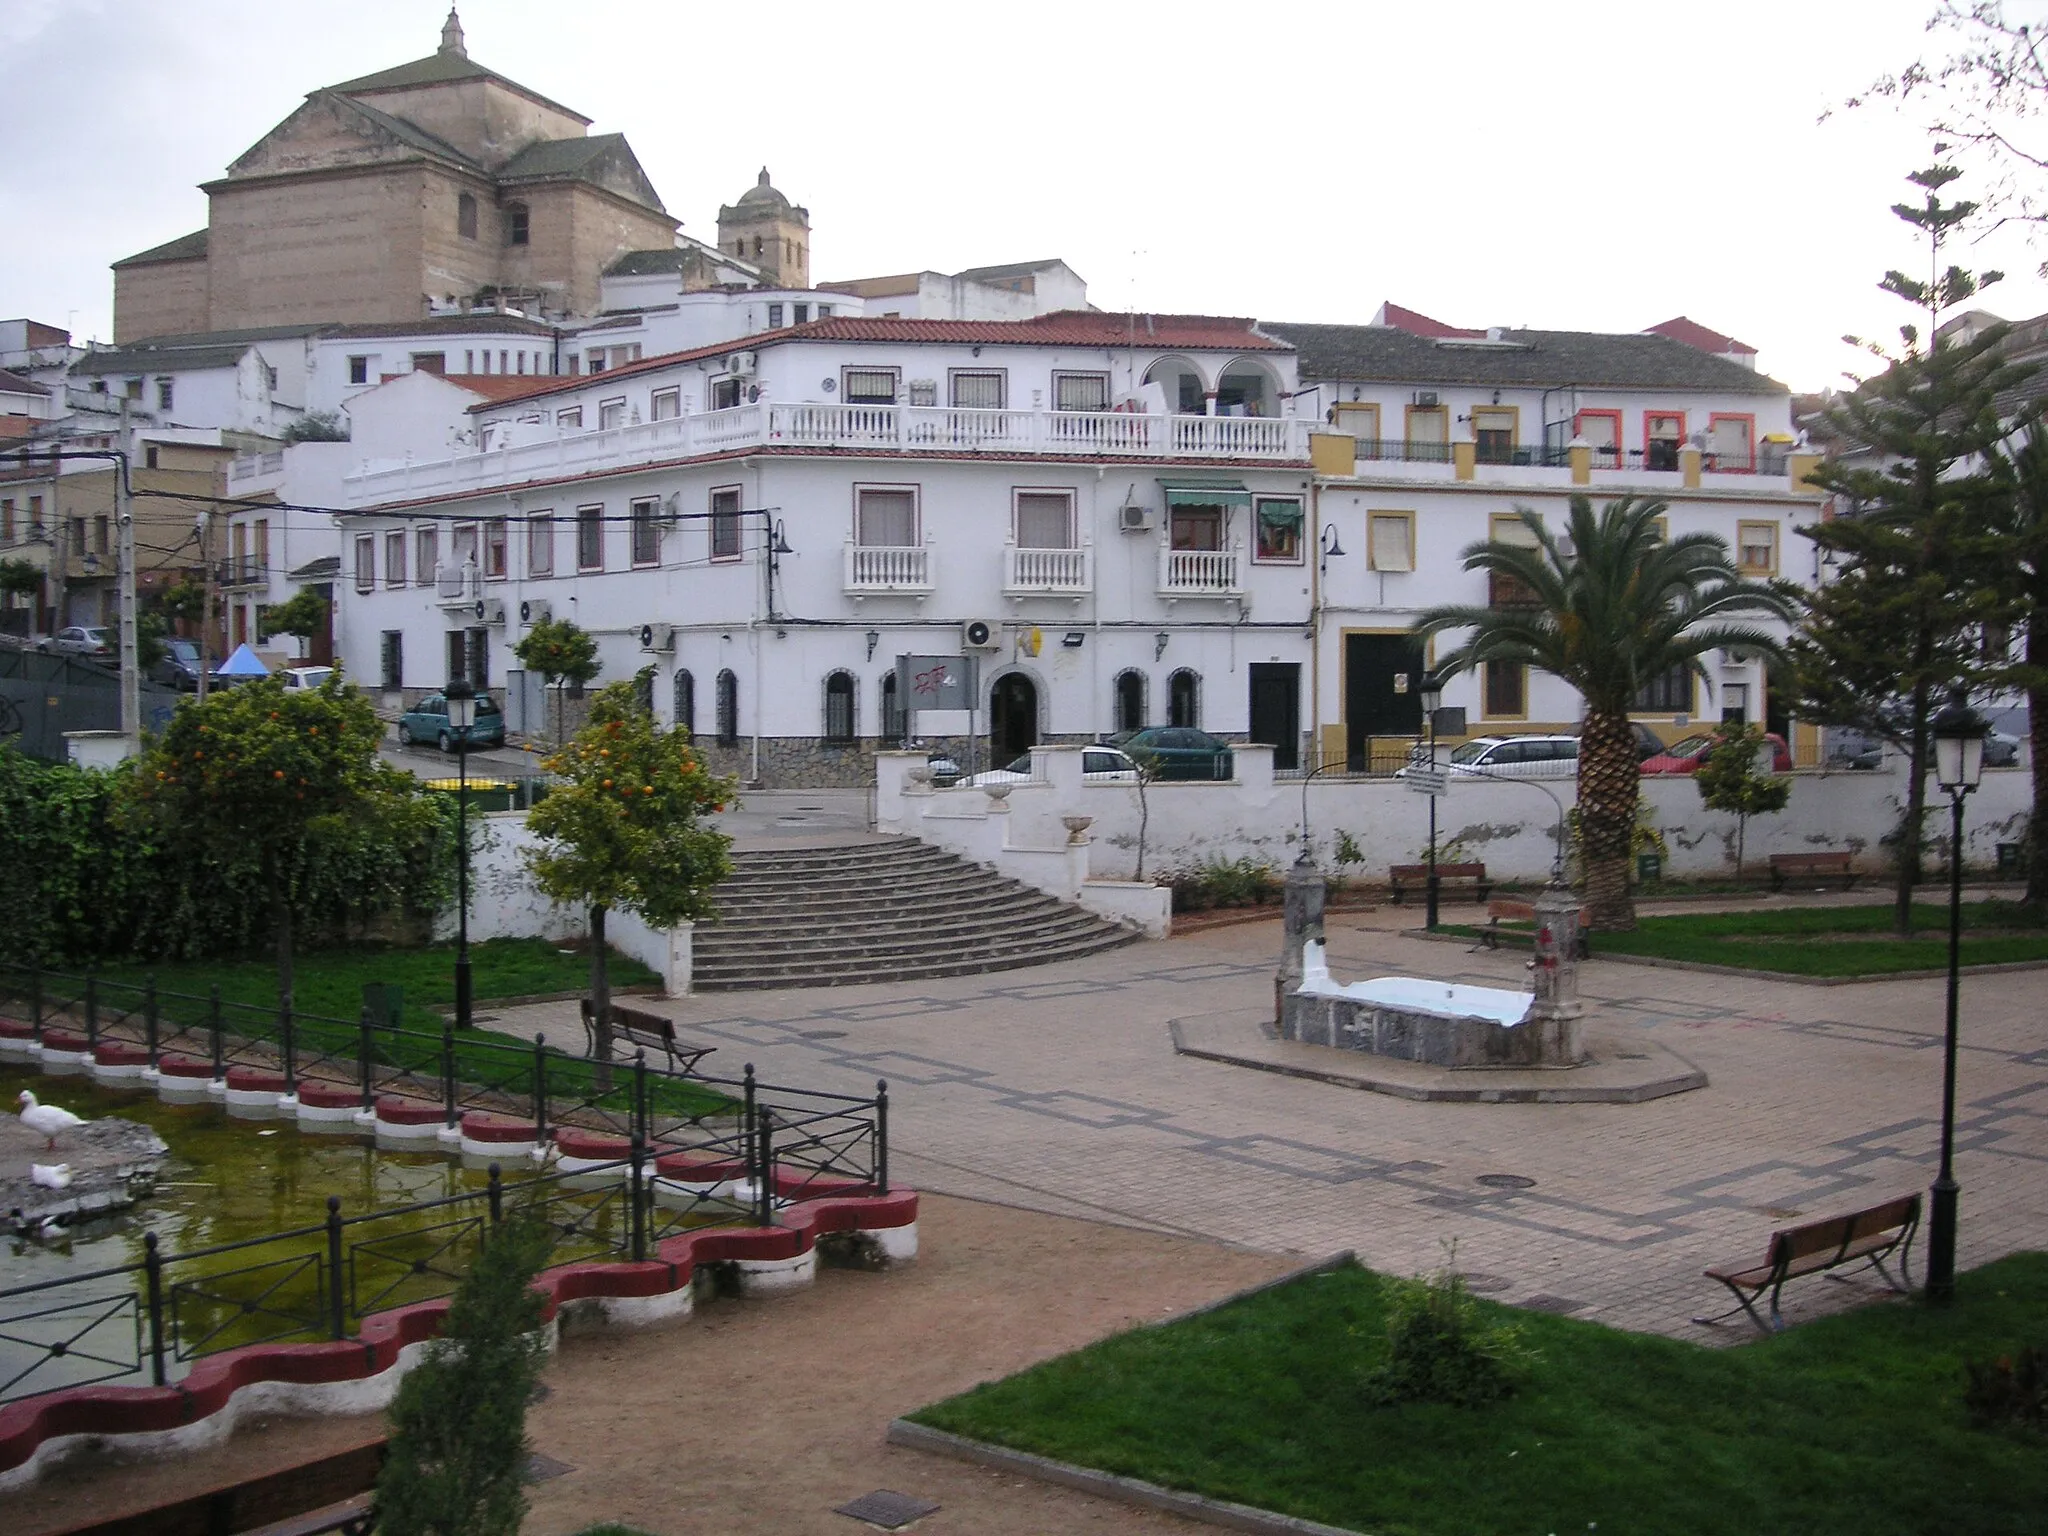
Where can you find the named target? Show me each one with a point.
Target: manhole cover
(1558, 1304)
(891, 1511)
(1505, 1181)
(823, 1034)
(1483, 1284)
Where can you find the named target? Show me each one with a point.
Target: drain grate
(823, 1034)
(891, 1511)
(1558, 1304)
(1505, 1181)
(1481, 1284)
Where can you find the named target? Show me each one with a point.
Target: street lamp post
(1432, 691)
(1958, 764)
(461, 696)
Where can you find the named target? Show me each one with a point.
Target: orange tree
(624, 828)
(256, 784)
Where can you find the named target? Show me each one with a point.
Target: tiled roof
(483, 323)
(441, 69)
(495, 387)
(1541, 359)
(190, 247)
(1693, 334)
(603, 160)
(1010, 269)
(15, 384)
(161, 359)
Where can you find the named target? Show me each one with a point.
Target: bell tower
(766, 228)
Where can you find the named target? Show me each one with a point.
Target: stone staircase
(892, 909)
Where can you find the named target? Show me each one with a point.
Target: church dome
(762, 195)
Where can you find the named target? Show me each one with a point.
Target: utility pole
(124, 522)
(205, 597)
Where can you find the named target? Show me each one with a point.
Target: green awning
(1280, 514)
(1220, 493)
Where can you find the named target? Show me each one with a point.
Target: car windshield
(183, 650)
(1692, 746)
(486, 705)
(1471, 752)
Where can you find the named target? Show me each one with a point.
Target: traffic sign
(1428, 781)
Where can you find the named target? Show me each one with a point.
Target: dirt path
(763, 1415)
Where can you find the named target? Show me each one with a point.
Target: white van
(1517, 757)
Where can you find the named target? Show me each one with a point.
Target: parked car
(2000, 750)
(1850, 748)
(1648, 743)
(296, 678)
(1180, 751)
(79, 640)
(1105, 765)
(427, 721)
(1514, 757)
(1687, 755)
(179, 667)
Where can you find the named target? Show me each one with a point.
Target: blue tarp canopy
(243, 664)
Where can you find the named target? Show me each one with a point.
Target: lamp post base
(1941, 1241)
(1432, 891)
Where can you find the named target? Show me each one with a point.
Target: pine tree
(1898, 629)
(2023, 467)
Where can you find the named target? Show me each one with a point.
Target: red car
(1687, 755)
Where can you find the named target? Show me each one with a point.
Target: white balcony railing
(888, 568)
(516, 453)
(1200, 573)
(1054, 572)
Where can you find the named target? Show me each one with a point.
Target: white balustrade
(1200, 573)
(1059, 571)
(888, 568)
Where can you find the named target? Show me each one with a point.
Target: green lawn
(1849, 1424)
(1828, 941)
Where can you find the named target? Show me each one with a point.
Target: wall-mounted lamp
(1330, 545)
(779, 545)
(1159, 645)
(1496, 397)
(1073, 639)
(874, 639)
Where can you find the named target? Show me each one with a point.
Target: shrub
(2012, 1389)
(1239, 882)
(1439, 1347)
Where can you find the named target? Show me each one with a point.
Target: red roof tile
(1415, 323)
(1693, 334)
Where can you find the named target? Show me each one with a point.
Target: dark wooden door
(1381, 697)
(1276, 709)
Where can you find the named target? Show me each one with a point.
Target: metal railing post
(497, 1193)
(881, 1136)
(213, 1030)
(448, 1074)
(336, 1319)
(642, 1197)
(149, 1016)
(153, 1271)
(365, 1052)
(92, 1012)
(540, 1090)
(749, 1130)
(765, 1190)
(288, 1042)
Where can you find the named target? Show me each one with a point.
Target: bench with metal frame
(328, 1496)
(1787, 868)
(1512, 909)
(1866, 1238)
(650, 1031)
(1402, 878)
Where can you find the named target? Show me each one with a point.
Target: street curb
(1105, 1485)
(1655, 962)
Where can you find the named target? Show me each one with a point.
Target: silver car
(1516, 757)
(80, 640)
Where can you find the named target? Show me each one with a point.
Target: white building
(1018, 291)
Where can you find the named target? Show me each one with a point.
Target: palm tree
(1609, 609)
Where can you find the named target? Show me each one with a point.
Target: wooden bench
(1802, 867)
(1865, 1238)
(639, 1029)
(1403, 878)
(331, 1494)
(1514, 910)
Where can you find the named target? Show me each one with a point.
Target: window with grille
(839, 707)
(366, 563)
(868, 386)
(392, 659)
(725, 524)
(1130, 701)
(646, 536)
(1080, 391)
(1663, 431)
(590, 538)
(1668, 693)
(686, 702)
(1757, 548)
(885, 518)
(1493, 433)
(1429, 434)
(1184, 699)
(428, 550)
(1506, 689)
(540, 544)
(1390, 541)
(394, 559)
(1362, 421)
(892, 709)
(1045, 520)
(359, 370)
(728, 708)
(496, 536)
(978, 391)
(516, 225)
(774, 317)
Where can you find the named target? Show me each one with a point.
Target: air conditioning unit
(740, 364)
(536, 610)
(1426, 398)
(980, 635)
(1133, 518)
(490, 610)
(657, 637)
(670, 509)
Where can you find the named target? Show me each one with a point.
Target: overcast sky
(1591, 165)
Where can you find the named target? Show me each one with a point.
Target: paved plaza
(1058, 1089)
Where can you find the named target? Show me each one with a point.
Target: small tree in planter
(624, 828)
(302, 616)
(1729, 781)
(458, 1426)
(561, 652)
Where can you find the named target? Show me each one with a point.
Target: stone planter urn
(998, 793)
(1077, 827)
(921, 777)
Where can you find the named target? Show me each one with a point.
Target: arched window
(839, 707)
(1130, 700)
(465, 216)
(757, 246)
(686, 702)
(1184, 699)
(728, 709)
(643, 689)
(515, 224)
(892, 711)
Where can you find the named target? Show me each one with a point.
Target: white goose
(48, 1120)
(50, 1176)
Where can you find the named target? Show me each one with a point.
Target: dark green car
(1180, 751)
